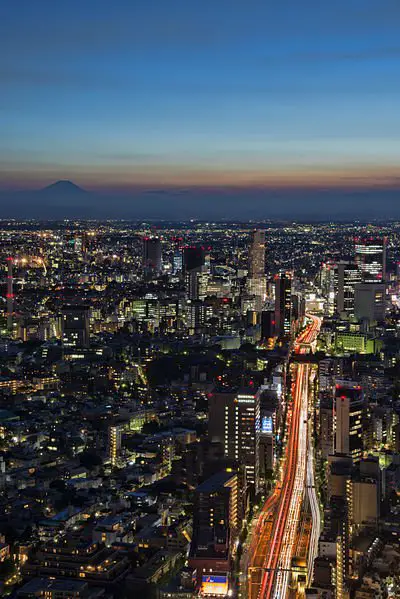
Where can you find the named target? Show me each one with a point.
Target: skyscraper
(256, 284)
(370, 301)
(347, 276)
(349, 410)
(196, 273)
(370, 253)
(152, 254)
(10, 294)
(283, 305)
(257, 255)
(327, 282)
(234, 421)
(194, 257)
(75, 326)
(177, 258)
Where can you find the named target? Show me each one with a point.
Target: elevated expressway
(276, 535)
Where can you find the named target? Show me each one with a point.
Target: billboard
(213, 584)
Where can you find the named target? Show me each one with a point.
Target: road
(271, 553)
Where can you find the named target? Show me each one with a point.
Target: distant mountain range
(65, 199)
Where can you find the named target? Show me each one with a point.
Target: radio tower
(10, 295)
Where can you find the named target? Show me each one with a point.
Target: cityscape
(199, 299)
(199, 409)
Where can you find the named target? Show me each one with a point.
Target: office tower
(215, 529)
(370, 253)
(257, 255)
(363, 499)
(266, 446)
(197, 314)
(194, 257)
(114, 443)
(327, 284)
(283, 305)
(326, 425)
(177, 258)
(349, 410)
(234, 421)
(256, 283)
(152, 255)
(370, 302)
(298, 307)
(10, 294)
(267, 324)
(75, 326)
(347, 276)
(329, 369)
(196, 272)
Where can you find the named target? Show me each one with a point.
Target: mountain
(63, 187)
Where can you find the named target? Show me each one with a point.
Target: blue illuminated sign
(267, 425)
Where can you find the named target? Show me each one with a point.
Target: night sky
(125, 95)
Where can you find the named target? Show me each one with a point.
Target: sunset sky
(120, 94)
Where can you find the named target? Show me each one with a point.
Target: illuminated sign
(214, 585)
(267, 425)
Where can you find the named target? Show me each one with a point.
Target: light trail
(277, 542)
(293, 519)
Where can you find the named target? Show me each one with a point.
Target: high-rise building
(194, 257)
(234, 421)
(329, 369)
(347, 276)
(283, 305)
(256, 282)
(177, 255)
(326, 427)
(215, 529)
(327, 283)
(75, 326)
(349, 411)
(267, 324)
(10, 293)
(114, 442)
(257, 255)
(152, 254)
(196, 272)
(267, 449)
(370, 302)
(370, 255)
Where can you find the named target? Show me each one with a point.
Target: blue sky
(170, 92)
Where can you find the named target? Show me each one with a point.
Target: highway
(293, 517)
(271, 553)
(315, 512)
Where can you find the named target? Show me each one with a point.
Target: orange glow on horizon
(123, 178)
